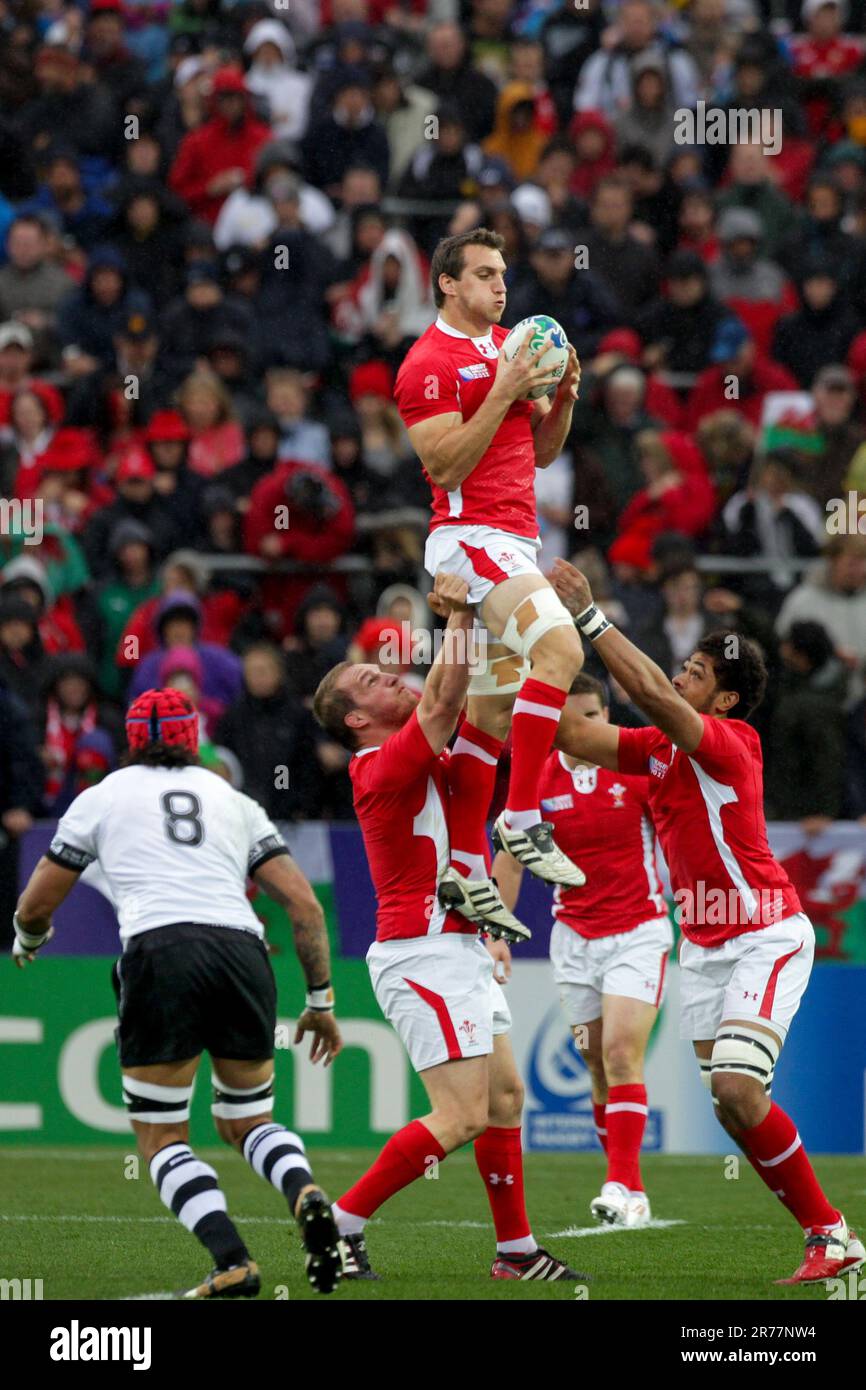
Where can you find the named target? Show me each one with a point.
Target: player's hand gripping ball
(547, 334)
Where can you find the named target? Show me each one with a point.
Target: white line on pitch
(611, 1230)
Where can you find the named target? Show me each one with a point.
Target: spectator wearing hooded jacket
(20, 766)
(249, 216)
(69, 106)
(805, 772)
(629, 267)
(26, 578)
(394, 302)
(193, 320)
(167, 438)
(267, 726)
(440, 169)
(23, 661)
(80, 733)
(274, 78)
(318, 641)
(178, 623)
(82, 213)
(147, 231)
(452, 76)
(137, 500)
(604, 81)
(679, 327)
(822, 330)
(92, 317)
(131, 582)
(649, 118)
(753, 287)
(349, 134)
(525, 121)
(297, 270)
(404, 110)
(219, 157)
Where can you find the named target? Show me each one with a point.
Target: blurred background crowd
(216, 221)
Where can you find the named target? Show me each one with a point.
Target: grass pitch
(80, 1220)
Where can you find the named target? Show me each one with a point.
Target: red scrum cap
(167, 716)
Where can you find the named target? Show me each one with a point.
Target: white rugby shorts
(439, 994)
(758, 975)
(632, 964)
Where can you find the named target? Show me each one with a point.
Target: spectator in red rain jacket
(822, 52)
(678, 495)
(220, 155)
(300, 512)
(595, 146)
(739, 380)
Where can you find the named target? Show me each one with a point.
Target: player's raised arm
(449, 446)
(447, 681)
(644, 682)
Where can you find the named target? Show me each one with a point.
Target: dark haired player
(747, 946)
(176, 844)
(609, 947)
(480, 441)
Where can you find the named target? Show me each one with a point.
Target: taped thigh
(538, 613)
(239, 1103)
(152, 1104)
(500, 671)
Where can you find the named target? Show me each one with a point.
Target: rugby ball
(547, 331)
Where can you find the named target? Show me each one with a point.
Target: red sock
(600, 1127)
(533, 729)
(625, 1116)
(499, 1155)
(778, 1157)
(405, 1157)
(471, 778)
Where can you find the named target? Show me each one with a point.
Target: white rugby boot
(610, 1208)
(638, 1212)
(480, 902)
(537, 851)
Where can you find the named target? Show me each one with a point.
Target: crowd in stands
(216, 222)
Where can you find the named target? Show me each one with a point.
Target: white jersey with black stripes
(172, 844)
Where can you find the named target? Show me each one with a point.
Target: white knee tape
(234, 1103)
(499, 675)
(151, 1104)
(745, 1051)
(533, 617)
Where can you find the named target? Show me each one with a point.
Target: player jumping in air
(747, 946)
(480, 441)
(175, 844)
(609, 946)
(432, 976)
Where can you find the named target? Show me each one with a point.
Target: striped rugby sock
(190, 1189)
(533, 729)
(278, 1156)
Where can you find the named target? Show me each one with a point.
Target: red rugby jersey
(708, 811)
(601, 821)
(445, 372)
(400, 792)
